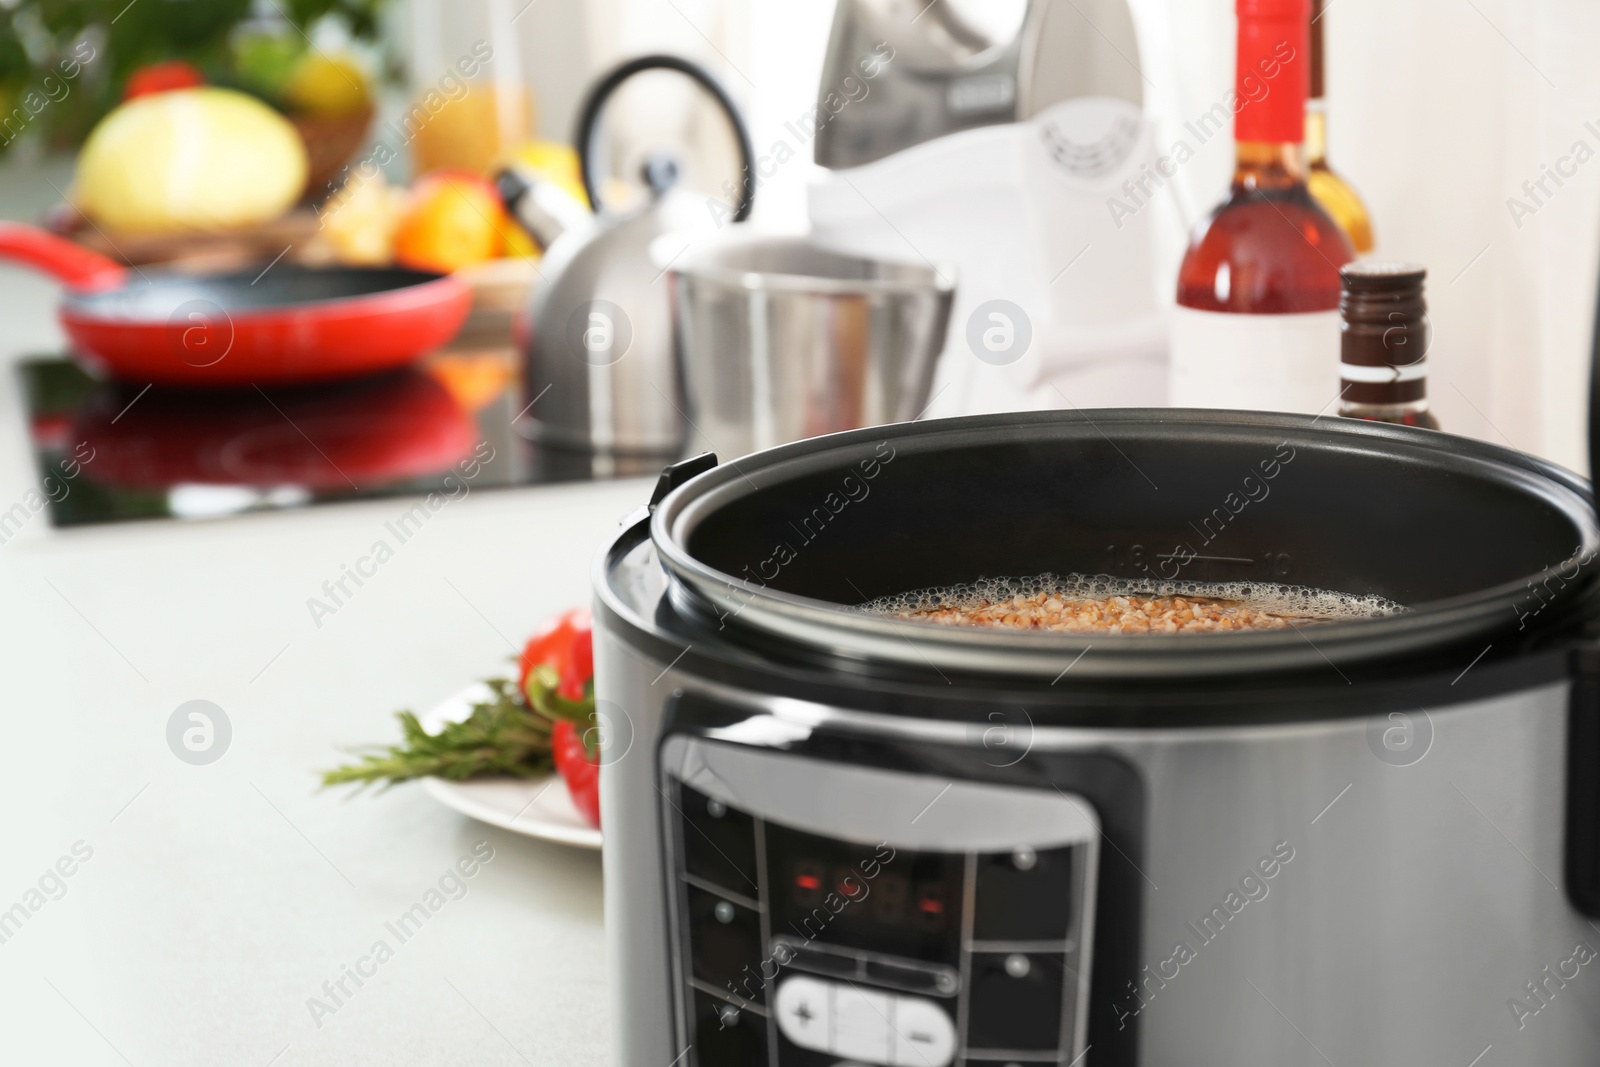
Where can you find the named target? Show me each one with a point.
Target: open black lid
(1474, 538)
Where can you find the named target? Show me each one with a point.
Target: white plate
(538, 807)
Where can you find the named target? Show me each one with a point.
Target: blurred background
(1438, 114)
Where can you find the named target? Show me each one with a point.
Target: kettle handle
(589, 121)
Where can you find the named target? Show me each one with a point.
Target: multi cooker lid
(786, 544)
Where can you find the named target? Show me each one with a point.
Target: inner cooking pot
(1470, 537)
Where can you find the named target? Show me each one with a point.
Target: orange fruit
(452, 220)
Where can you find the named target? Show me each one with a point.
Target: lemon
(190, 159)
(556, 161)
(326, 86)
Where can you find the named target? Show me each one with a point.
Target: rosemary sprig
(503, 735)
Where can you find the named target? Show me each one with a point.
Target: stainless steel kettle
(599, 372)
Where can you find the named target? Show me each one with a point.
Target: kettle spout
(540, 206)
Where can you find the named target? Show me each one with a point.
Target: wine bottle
(1335, 195)
(1257, 321)
(1383, 344)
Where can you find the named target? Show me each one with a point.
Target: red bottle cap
(1272, 72)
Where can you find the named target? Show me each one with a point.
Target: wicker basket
(331, 142)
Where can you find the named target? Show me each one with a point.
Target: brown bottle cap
(1385, 333)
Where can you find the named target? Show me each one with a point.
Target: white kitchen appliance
(1009, 140)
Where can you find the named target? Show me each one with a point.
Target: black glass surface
(110, 452)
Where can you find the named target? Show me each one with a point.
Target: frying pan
(286, 324)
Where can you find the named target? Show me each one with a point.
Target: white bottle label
(1255, 362)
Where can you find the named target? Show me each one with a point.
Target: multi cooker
(840, 838)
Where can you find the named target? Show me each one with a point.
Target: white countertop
(217, 900)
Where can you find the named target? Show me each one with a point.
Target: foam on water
(1293, 601)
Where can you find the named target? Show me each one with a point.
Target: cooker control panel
(826, 914)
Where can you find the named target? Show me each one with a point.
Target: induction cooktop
(454, 424)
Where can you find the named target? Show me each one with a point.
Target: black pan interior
(1416, 518)
(156, 296)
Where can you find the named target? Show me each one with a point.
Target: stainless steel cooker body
(1353, 858)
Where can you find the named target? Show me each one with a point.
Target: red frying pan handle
(67, 261)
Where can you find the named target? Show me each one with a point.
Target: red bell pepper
(556, 673)
(564, 649)
(578, 766)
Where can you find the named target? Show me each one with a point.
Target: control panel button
(923, 1034)
(724, 1036)
(932, 978)
(861, 1028)
(867, 1026)
(804, 1007)
(1016, 1000)
(719, 843)
(725, 944)
(829, 963)
(1023, 895)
